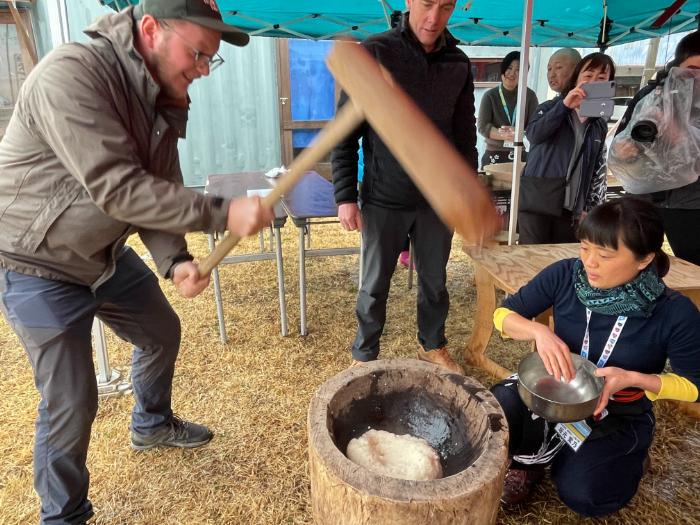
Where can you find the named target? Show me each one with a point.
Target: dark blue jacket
(552, 139)
(441, 84)
(645, 344)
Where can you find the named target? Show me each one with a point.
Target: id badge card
(573, 434)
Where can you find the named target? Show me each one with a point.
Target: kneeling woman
(610, 306)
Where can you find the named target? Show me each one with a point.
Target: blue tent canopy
(556, 23)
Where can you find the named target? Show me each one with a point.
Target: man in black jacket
(423, 58)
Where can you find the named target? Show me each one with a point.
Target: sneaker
(440, 357)
(518, 485)
(179, 433)
(404, 258)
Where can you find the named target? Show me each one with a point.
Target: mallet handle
(347, 119)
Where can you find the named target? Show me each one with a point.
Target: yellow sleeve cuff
(675, 387)
(498, 316)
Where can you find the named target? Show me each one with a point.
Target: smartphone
(600, 89)
(597, 107)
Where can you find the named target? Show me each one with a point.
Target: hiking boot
(440, 357)
(178, 433)
(518, 485)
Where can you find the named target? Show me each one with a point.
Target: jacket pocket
(541, 195)
(51, 210)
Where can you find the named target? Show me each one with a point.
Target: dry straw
(254, 393)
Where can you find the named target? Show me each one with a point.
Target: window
(15, 63)
(486, 69)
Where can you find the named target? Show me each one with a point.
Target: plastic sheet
(660, 147)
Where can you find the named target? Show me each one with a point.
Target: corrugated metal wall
(234, 118)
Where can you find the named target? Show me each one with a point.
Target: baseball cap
(201, 12)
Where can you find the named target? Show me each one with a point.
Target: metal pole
(519, 124)
(302, 280)
(104, 370)
(650, 62)
(280, 280)
(218, 299)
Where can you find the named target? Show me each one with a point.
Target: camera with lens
(645, 130)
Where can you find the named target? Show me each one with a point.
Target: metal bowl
(559, 401)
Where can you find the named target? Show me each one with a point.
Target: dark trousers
(535, 228)
(383, 236)
(53, 321)
(603, 475)
(683, 232)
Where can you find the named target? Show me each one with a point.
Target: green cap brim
(229, 33)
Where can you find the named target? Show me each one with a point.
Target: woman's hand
(507, 133)
(554, 353)
(574, 97)
(617, 379)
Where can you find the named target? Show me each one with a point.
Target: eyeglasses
(200, 59)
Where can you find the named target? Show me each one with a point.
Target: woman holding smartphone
(498, 110)
(565, 173)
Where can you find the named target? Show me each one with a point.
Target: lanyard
(509, 116)
(612, 339)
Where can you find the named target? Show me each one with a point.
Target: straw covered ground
(254, 393)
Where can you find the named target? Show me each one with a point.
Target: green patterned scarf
(633, 299)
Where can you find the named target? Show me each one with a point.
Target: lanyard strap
(509, 116)
(612, 339)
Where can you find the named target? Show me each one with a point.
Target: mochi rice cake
(388, 454)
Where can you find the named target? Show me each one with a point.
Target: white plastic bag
(660, 147)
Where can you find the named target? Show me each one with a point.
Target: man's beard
(160, 63)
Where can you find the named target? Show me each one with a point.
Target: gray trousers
(53, 321)
(383, 235)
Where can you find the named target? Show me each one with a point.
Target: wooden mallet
(438, 170)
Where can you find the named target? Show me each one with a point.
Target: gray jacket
(90, 157)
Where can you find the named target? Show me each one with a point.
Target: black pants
(534, 228)
(683, 232)
(383, 236)
(603, 475)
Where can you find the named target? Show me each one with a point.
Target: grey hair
(567, 52)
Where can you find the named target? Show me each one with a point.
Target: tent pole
(519, 124)
(650, 61)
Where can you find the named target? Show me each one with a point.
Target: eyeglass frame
(212, 62)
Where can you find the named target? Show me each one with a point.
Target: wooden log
(455, 414)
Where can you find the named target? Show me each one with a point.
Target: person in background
(612, 297)
(560, 67)
(498, 111)
(565, 175)
(680, 207)
(90, 157)
(423, 58)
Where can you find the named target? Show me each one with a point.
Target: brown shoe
(518, 485)
(440, 357)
